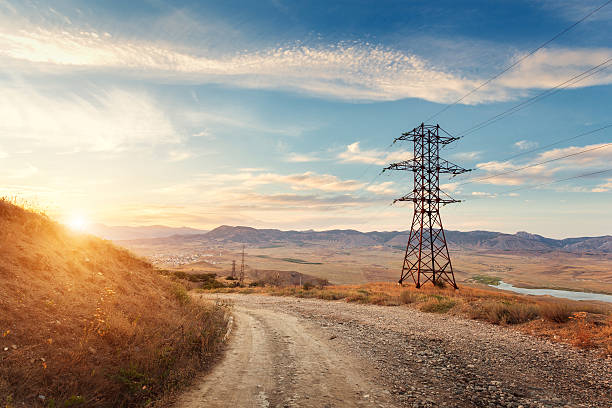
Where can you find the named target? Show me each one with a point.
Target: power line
(508, 68)
(559, 181)
(535, 164)
(543, 184)
(551, 91)
(547, 146)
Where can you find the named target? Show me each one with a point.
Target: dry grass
(557, 312)
(86, 323)
(547, 318)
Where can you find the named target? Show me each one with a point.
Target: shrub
(180, 293)
(358, 298)
(438, 306)
(556, 312)
(508, 313)
(406, 297)
(307, 286)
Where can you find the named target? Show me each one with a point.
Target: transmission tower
(242, 268)
(427, 257)
(234, 269)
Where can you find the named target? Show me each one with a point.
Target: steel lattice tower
(427, 257)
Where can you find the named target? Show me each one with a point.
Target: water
(566, 294)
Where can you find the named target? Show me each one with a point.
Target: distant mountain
(486, 240)
(117, 233)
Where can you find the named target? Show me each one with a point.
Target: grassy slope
(84, 322)
(583, 324)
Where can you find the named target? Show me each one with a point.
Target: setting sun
(77, 222)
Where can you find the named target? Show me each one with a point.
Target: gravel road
(288, 352)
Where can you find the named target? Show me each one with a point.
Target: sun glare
(77, 222)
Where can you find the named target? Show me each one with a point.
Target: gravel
(430, 360)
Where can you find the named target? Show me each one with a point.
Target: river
(566, 294)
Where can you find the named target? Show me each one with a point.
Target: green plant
(438, 306)
(74, 400)
(487, 280)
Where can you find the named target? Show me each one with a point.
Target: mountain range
(486, 240)
(116, 233)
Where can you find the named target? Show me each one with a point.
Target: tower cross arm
(408, 197)
(403, 165)
(447, 167)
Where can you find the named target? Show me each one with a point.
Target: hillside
(85, 322)
(474, 240)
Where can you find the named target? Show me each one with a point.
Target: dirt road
(287, 352)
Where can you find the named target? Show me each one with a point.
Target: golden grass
(554, 319)
(84, 322)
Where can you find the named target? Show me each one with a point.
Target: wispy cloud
(354, 154)
(467, 155)
(605, 187)
(307, 181)
(110, 120)
(595, 157)
(351, 71)
(483, 194)
(179, 155)
(525, 145)
(302, 158)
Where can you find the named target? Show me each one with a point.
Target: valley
(352, 257)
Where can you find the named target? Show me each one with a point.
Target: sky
(281, 114)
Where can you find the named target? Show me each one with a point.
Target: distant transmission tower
(234, 269)
(427, 257)
(242, 268)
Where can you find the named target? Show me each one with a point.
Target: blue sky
(279, 114)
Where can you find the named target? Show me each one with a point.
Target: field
(356, 265)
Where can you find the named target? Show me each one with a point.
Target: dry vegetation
(586, 325)
(85, 323)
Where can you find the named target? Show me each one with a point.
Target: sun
(77, 222)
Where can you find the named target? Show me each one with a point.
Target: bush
(508, 313)
(407, 297)
(307, 286)
(556, 312)
(438, 306)
(180, 293)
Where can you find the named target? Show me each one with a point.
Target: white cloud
(307, 181)
(602, 188)
(205, 133)
(111, 120)
(483, 194)
(526, 145)
(467, 155)
(382, 188)
(548, 67)
(301, 158)
(179, 155)
(595, 156)
(338, 71)
(354, 154)
(450, 187)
